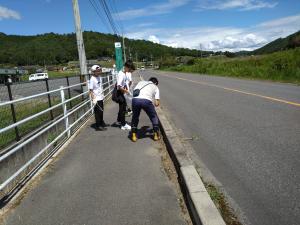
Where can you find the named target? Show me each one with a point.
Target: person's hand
(156, 103)
(94, 101)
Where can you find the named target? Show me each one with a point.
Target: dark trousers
(122, 110)
(148, 107)
(98, 111)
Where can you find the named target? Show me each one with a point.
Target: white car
(142, 68)
(38, 76)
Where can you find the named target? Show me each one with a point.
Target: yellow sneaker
(133, 137)
(156, 136)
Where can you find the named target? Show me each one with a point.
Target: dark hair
(129, 64)
(154, 80)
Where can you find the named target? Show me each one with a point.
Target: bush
(280, 66)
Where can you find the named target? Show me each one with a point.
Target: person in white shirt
(129, 84)
(96, 93)
(145, 96)
(123, 89)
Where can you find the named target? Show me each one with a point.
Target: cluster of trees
(51, 48)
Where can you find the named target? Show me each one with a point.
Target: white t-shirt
(128, 78)
(95, 84)
(122, 79)
(149, 92)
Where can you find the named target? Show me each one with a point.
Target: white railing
(67, 130)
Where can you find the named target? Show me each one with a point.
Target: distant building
(12, 75)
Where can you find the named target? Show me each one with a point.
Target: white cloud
(154, 39)
(145, 25)
(243, 5)
(222, 38)
(154, 9)
(281, 22)
(6, 13)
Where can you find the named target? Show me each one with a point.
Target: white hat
(95, 67)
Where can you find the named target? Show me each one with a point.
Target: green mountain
(54, 48)
(291, 41)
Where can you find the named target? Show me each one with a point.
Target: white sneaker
(126, 127)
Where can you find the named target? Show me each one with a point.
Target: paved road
(24, 89)
(248, 137)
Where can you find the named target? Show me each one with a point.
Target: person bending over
(145, 96)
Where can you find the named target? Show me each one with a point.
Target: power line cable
(115, 10)
(109, 16)
(97, 9)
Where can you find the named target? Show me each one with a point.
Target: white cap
(95, 67)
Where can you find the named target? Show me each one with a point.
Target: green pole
(119, 60)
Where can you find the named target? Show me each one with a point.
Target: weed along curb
(201, 207)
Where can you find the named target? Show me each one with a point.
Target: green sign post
(119, 60)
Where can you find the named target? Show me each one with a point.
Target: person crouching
(145, 94)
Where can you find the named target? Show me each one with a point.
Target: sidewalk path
(102, 178)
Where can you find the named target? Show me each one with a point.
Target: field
(281, 66)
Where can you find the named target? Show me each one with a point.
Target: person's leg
(101, 106)
(151, 112)
(136, 108)
(122, 110)
(97, 117)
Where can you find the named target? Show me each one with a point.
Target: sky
(216, 25)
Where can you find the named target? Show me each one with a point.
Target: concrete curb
(201, 207)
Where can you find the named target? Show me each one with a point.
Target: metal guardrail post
(82, 90)
(69, 91)
(49, 99)
(13, 112)
(108, 81)
(64, 106)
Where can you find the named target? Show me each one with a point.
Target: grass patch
(281, 66)
(223, 207)
(24, 110)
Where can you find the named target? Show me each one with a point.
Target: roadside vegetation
(24, 110)
(220, 201)
(281, 66)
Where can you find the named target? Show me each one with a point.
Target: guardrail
(17, 162)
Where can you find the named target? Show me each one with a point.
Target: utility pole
(200, 46)
(124, 53)
(80, 44)
(136, 59)
(130, 54)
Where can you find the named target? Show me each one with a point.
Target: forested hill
(291, 41)
(54, 48)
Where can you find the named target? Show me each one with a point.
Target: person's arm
(92, 94)
(119, 83)
(91, 89)
(157, 101)
(123, 90)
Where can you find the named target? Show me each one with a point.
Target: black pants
(98, 111)
(122, 110)
(148, 107)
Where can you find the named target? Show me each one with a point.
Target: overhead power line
(109, 16)
(97, 9)
(104, 13)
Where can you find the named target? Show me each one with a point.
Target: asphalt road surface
(24, 89)
(248, 136)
